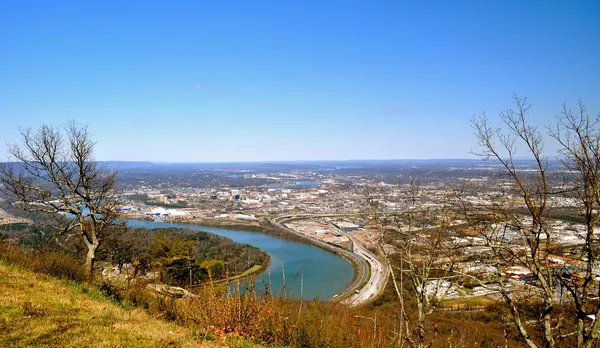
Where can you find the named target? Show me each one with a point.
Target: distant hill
(126, 164)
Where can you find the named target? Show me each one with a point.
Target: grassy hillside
(38, 310)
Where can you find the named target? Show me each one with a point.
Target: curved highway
(371, 274)
(377, 278)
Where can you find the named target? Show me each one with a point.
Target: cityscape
(330, 203)
(315, 174)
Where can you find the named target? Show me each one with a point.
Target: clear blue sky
(282, 80)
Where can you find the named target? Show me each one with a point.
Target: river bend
(325, 273)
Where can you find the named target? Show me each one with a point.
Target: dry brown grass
(264, 320)
(38, 310)
(480, 302)
(43, 260)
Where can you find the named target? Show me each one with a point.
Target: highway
(371, 274)
(377, 278)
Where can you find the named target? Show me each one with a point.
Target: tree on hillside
(527, 240)
(53, 170)
(178, 261)
(122, 245)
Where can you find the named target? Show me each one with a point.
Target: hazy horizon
(472, 159)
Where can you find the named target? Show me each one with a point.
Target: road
(377, 277)
(362, 266)
(371, 274)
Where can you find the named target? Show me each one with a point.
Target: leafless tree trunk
(579, 139)
(423, 256)
(579, 136)
(534, 192)
(53, 170)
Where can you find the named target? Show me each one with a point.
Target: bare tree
(53, 170)
(418, 247)
(525, 238)
(534, 191)
(579, 136)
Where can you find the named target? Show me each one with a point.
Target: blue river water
(309, 271)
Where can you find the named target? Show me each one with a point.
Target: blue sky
(282, 80)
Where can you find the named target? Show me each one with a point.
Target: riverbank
(261, 226)
(325, 272)
(268, 227)
(361, 268)
(253, 226)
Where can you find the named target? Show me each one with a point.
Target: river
(325, 273)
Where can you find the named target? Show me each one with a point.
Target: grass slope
(38, 310)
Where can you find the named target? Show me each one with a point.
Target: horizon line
(305, 161)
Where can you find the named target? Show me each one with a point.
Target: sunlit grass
(37, 310)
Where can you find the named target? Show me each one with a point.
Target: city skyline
(215, 82)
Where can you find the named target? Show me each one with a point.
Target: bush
(54, 263)
(111, 291)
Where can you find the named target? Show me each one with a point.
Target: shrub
(51, 262)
